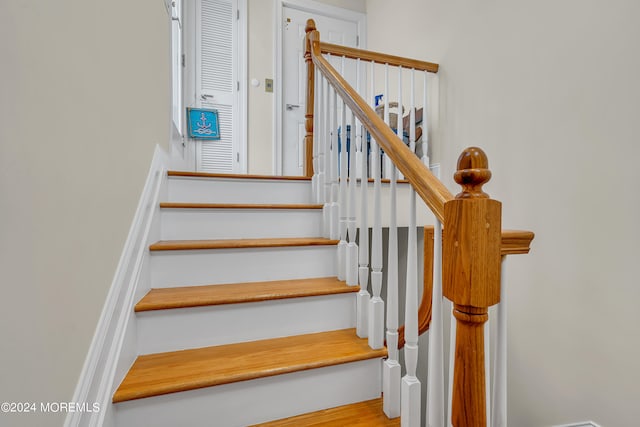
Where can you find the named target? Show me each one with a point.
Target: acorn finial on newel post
(473, 172)
(471, 280)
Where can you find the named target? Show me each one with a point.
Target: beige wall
(261, 23)
(261, 66)
(551, 91)
(84, 99)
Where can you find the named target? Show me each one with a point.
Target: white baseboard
(580, 424)
(95, 384)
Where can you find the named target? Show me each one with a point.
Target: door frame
(191, 19)
(316, 8)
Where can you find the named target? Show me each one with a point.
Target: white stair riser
(179, 329)
(218, 266)
(210, 190)
(187, 224)
(265, 399)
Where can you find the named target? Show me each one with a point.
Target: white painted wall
(85, 98)
(551, 91)
(261, 24)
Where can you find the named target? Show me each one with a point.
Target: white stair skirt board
(179, 329)
(265, 399)
(218, 266)
(111, 345)
(187, 224)
(234, 190)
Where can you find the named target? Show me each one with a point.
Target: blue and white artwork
(203, 124)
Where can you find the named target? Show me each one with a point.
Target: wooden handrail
(514, 242)
(427, 186)
(380, 58)
(475, 245)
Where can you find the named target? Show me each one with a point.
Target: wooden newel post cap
(311, 26)
(471, 253)
(473, 172)
(306, 43)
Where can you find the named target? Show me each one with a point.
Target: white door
(294, 76)
(217, 83)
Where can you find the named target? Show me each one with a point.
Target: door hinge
(238, 86)
(184, 60)
(238, 14)
(237, 157)
(357, 41)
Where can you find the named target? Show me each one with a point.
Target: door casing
(314, 8)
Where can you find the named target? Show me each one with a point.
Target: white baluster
(487, 370)
(386, 163)
(399, 121)
(412, 113)
(334, 211)
(435, 370)
(425, 123)
(326, 160)
(326, 207)
(452, 352)
(372, 94)
(352, 247)
(327, 146)
(316, 136)
(499, 398)
(322, 129)
(362, 302)
(376, 307)
(411, 400)
(391, 369)
(342, 246)
(358, 132)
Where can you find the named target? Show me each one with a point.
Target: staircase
(226, 308)
(246, 321)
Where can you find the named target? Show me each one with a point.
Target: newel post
(471, 280)
(308, 116)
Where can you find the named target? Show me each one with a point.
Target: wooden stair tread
(361, 414)
(176, 245)
(163, 373)
(198, 296)
(237, 176)
(178, 205)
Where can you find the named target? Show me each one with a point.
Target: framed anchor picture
(203, 123)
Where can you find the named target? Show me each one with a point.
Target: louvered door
(217, 82)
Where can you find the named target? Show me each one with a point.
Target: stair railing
(468, 260)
